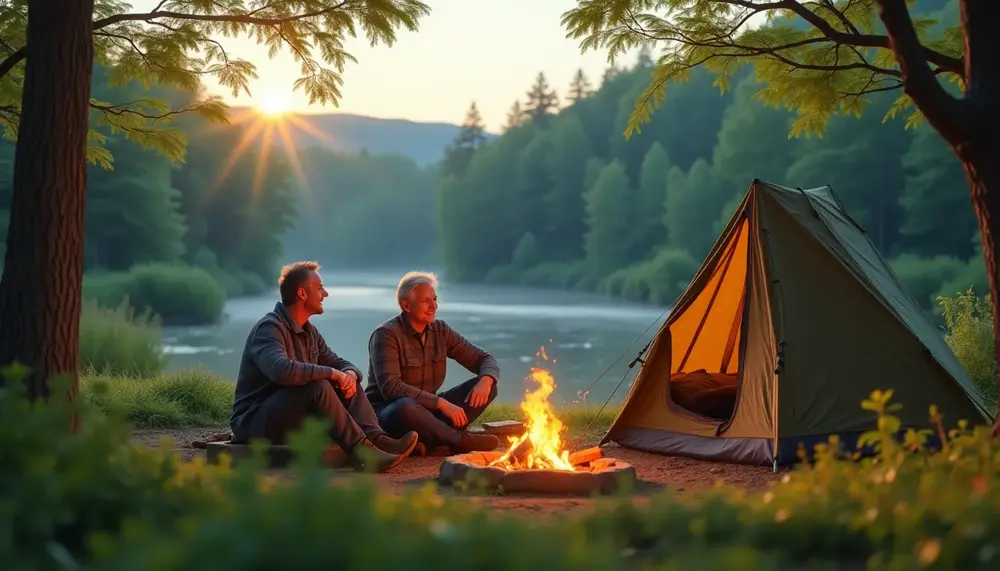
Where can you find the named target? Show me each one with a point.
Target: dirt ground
(655, 472)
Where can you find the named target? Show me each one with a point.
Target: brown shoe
(477, 442)
(367, 457)
(400, 446)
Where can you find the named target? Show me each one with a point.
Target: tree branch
(945, 113)
(954, 65)
(235, 18)
(17, 56)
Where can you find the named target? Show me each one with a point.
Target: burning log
(586, 456)
(520, 454)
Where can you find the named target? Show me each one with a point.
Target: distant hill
(422, 142)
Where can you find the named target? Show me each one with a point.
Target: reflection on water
(582, 333)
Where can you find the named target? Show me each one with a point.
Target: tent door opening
(705, 339)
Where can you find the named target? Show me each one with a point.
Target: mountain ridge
(422, 141)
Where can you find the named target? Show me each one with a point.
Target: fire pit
(536, 462)
(601, 475)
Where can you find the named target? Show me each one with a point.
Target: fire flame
(540, 447)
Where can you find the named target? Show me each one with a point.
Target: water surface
(583, 334)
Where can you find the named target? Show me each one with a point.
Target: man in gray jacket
(288, 372)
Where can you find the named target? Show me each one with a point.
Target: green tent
(793, 319)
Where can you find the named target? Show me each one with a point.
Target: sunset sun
(273, 105)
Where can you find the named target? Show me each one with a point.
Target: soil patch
(655, 472)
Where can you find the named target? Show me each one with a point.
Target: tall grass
(183, 399)
(120, 341)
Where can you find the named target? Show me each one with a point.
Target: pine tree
(515, 117)
(610, 73)
(471, 138)
(542, 100)
(580, 87)
(645, 58)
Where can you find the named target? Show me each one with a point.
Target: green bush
(562, 275)
(969, 322)
(179, 294)
(120, 341)
(181, 399)
(58, 490)
(659, 280)
(908, 507)
(92, 502)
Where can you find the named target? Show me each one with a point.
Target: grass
(185, 399)
(120, 341)
(195, 398)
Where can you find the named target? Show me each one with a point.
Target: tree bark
(43, 270)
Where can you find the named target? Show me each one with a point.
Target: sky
(487, 51)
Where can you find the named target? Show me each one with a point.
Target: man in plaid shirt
(407, 362)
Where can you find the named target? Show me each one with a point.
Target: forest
(573, 203)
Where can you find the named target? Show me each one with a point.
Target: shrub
(179, 294)
(120, 341)
(182, 399)
(563, 275)
(969, 322)
(56, 490)
(659, 280)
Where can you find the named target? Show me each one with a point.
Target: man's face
(421, 307)
(312, 293)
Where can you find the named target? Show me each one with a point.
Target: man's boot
(366, 457)
(400, 446)
(477, 442)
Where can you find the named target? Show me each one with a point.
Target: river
(583, 334)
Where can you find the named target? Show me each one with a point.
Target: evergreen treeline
(563, 199)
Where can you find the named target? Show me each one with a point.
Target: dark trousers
(433, 428)
(284, 412)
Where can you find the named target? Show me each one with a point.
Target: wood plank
(586, 455)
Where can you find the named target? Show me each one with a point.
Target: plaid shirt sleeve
(330, 359)
(383, 347)
(271, 357)
(468, 354)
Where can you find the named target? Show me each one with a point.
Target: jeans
(285, 411)
(432, 427)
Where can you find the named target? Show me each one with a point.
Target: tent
(792, 320)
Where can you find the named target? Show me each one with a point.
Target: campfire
(536, 461)
(540, 447)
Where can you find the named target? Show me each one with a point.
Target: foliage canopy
(180, 42)
(817, 58)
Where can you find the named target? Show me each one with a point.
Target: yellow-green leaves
(817, 58)
(183, 41)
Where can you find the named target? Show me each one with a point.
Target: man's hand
(454, 413)
(346, 382)
(480, 394)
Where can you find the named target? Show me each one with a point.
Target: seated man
(407, 361)
(288, 372)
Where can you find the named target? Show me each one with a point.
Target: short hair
(292, 277)
(411, 280)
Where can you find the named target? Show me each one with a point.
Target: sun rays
(271, 121)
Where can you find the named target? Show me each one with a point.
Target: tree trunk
(43, 270)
